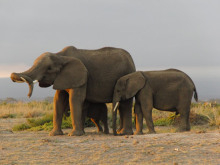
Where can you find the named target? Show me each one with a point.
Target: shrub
(35, 124)
(21, 127)
(165, 121)
(46, 123)
(212, 114)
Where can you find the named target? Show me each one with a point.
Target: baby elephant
(167, 90)
(96, 112)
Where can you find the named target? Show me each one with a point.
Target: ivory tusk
(35, 81)
(116, 106)
(23, 79)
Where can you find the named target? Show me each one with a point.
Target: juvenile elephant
(86, 75)
(96, 112)
(167, 90)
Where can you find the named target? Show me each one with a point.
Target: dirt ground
(94, 148)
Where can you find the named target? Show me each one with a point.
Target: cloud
(6, 70)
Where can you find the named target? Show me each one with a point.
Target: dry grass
(212, 113)
(199, 115)
(26, 110)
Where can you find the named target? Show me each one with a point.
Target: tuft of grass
(46, 123)
(213, 117)
(67, 123)
(45, 127)
(164, 121)
(32, 124)
(21, 127)
(40, 121)
(33, 114)
(212, 114)
(5, 116)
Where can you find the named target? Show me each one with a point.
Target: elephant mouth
(44, 85)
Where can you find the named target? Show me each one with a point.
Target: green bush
(166, 121)
(46, 123)
(21, 127)
(40, 121)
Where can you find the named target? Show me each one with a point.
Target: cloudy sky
(159, 34)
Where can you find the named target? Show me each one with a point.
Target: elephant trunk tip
(16, 78)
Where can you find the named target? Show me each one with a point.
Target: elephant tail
(195, 94)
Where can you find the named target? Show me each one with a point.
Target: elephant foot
(106, 131)
(76, 133)
(151, 132)
(125, 132)
(56, 132)
(183, 129)
(138, 133)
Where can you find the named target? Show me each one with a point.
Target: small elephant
(167, 90)
(96, 112)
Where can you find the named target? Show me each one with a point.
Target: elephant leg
(58, 110)
(148, 117)
(76, 101)
(146, 108)
(138, 119)
(96, 122)
(184, 119)
(145, 99)
(126, 109)
(105, 123)
(121, 121)
(84, 114)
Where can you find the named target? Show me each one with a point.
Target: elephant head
(126, 88)
(53, 69)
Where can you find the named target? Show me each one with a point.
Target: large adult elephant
(86, 75)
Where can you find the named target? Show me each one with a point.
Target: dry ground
(94, 148)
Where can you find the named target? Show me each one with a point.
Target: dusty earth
(94, 148)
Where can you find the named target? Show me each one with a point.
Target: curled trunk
(19, 77)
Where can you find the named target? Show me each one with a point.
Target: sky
(159, 34)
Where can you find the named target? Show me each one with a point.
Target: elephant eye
(49, 68)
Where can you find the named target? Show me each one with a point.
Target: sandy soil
(94, 148)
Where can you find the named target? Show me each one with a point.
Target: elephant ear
(73, 74)
(134, 83)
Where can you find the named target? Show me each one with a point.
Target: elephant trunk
(114, 116)
(20, 78)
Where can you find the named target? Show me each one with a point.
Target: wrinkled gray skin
(80, 75)
(167, 90)
(96, 112)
